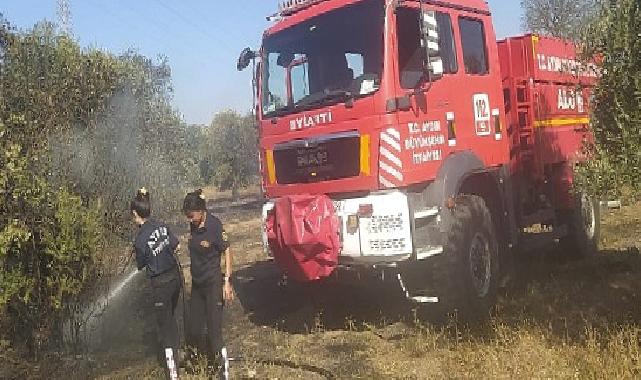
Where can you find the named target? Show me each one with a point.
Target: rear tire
(467, 278)
(584, 228)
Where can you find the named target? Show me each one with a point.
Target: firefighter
(210, 289)
(155, 245)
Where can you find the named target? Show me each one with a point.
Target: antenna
(64, 16)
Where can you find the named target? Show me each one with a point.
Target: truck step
(429, 251)
(424, 299)
(417, 297)
(426, 213)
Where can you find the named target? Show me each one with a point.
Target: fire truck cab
(422, 131)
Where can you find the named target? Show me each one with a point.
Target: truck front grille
(318, 159)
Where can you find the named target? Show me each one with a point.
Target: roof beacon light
(287, 7)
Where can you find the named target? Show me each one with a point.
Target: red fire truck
(400, 139)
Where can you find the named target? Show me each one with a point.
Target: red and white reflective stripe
(393, 139)
(390, 173)
(391, 157)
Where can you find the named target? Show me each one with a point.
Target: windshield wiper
(312, 101)
(323, 98)
(282, 111)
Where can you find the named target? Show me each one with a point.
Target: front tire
(467, 281)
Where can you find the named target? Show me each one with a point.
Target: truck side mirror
(245, 58)
(433, 61)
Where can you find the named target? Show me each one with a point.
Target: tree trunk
(234, 191)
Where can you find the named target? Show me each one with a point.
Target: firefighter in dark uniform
(210, 288)
(155, 246)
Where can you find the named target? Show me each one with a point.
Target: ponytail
(195, 201)
(141, 204)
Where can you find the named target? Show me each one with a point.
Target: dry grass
(214, 195)
(559, 320)
(562, 320)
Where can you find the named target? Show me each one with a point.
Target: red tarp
(302, 232)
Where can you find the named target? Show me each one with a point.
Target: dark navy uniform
(155, 246)
(206, 246)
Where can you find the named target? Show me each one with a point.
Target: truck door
(477, 94)
(460, 109)
(423, 125)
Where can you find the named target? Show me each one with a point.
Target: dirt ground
(558, 319)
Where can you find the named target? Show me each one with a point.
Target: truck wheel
(584, 228)
(468, 278)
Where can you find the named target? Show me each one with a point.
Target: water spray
(102, 303)
(272, 362)
(124, 281)
(121, 285)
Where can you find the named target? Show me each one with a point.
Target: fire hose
(285, 363)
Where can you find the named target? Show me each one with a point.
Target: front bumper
(375, 228)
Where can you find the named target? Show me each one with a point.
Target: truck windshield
(325, 60)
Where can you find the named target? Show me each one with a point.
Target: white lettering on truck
(566, 65)
(568, 99)
(309, 121)
(425, 141)
(482, 114)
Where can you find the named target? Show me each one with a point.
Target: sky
(200, 38)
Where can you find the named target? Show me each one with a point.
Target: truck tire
(584, 228)
(468, 277)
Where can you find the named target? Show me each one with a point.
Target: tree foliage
(102, 123)
(230, 151)
(558, 18)
(48, 244)
(80, 130)
(615, 38)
